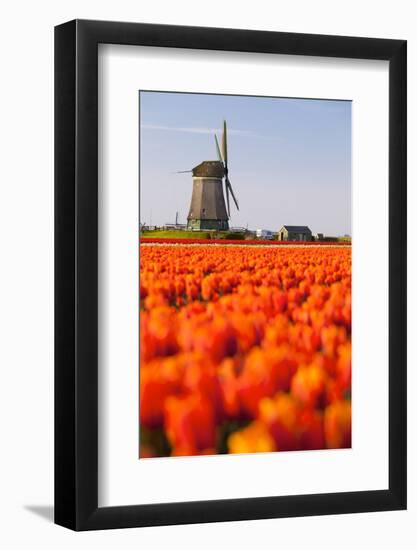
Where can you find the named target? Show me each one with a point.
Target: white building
(264, 234)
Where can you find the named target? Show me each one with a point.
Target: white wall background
(26, 272)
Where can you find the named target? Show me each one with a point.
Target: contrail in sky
(193, 130)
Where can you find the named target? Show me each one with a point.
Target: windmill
(208, 208)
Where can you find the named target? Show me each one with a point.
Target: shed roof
(297, 228)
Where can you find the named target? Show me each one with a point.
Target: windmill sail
(227, 200)
(229, 187)
(223, 157)
(219, 155)
(224, 144)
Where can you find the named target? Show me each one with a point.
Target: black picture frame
(76, 272)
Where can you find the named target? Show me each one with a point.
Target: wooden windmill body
(208, 208)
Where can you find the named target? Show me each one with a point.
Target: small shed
(294, 233)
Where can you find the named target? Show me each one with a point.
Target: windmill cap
(209, 169)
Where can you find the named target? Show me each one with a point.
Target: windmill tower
(208, 208)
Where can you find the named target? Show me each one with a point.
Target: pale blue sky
(289, 159)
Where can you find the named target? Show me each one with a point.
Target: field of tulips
(159, 240)
(244, 349)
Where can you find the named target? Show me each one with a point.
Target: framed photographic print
(230, 254)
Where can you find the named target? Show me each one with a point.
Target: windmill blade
(229, 186)
(224, 143)
(218, 150)
(227, 200)
(182, 171)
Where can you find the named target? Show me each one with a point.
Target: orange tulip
(265, 372)
(308, 385)
(156, 385)
(337, 425)
(281, 415)
(253, 439)
(190, 424)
